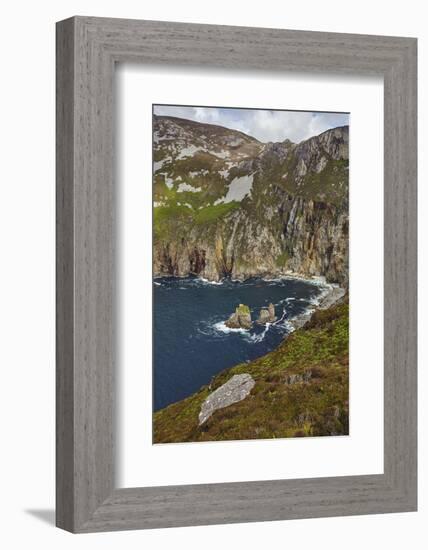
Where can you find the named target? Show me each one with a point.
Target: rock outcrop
(240, 319)
(333, 296)
(267, 315)
(234, 390)
(227, 205)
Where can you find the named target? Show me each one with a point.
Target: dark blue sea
(191, 342)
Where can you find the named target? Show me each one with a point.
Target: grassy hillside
(301, 390)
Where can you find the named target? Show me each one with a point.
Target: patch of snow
(203, 172)
(158, 164)
(188, 151)
(186, 187)
(238, 189)
(169, 182)
(221, 154)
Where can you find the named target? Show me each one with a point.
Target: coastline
(332, 292)
(301, 388)
(330, 295)
(318, 280)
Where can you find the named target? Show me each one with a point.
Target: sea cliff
(227, 205)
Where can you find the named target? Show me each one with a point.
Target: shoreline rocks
(234, 390)
(240, 319)
(267, 315)
(334, 294)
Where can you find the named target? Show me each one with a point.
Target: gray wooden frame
(87, 50)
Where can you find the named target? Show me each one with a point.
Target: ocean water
(191, 342)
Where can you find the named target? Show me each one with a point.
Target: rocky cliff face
(226, 205)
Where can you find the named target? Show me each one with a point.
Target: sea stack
(241, 318)
(267, 315)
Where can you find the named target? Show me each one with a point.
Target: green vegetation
(186, 207)
(214, 212)
(168, 219)
(329, 186)
(242, 309)
(195, 163)
(301, 390)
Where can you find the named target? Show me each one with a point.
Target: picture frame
(87, 50)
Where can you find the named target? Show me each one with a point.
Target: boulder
(241, 318)
(272, 315)
(234, 390)
(267, 315)
(263, 316)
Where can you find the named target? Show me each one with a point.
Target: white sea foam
(221, 327)
(289, 327)
(260, 337)
(207, 282)
(288, 300)
(282, 318)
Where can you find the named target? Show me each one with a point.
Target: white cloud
(265, 125)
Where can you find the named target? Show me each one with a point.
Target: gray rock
(241, 318)
(335, 294)
(320, 165)
(234, 390)
(267, 315)
(301, 168)
(300, 320)
(298, 378)
(233, 321)
(263, 316)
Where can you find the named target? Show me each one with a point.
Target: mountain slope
(227, 205)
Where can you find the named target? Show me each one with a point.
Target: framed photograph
(236, 274)
(246, 234)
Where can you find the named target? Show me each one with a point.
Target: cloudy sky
(265, 125)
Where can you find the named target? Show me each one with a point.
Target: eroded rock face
(234, 390)
(241, 318)
(292, 218)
